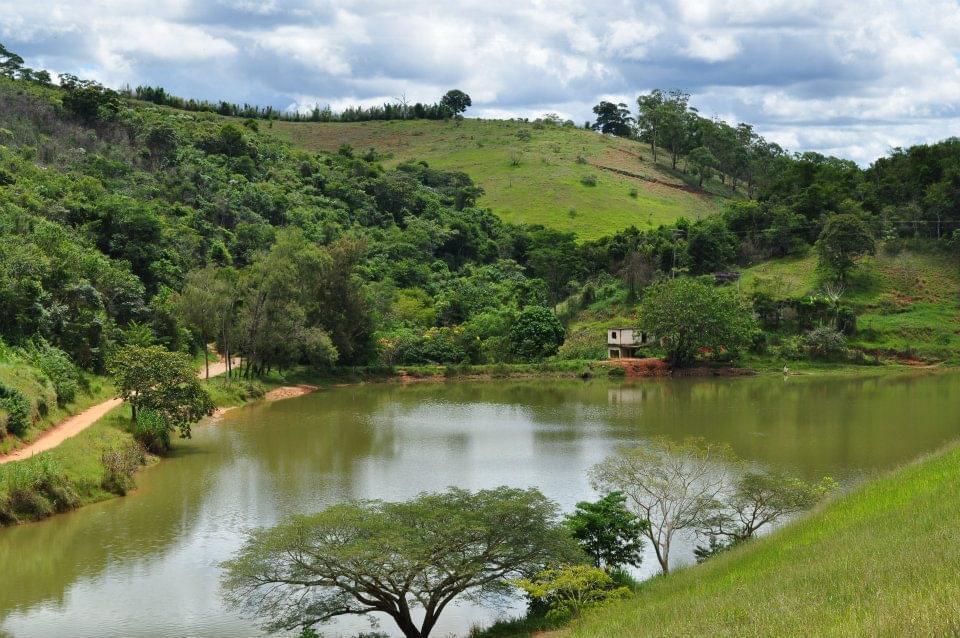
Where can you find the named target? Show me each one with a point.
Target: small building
(625, 342)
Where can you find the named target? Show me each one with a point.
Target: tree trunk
(206, 356)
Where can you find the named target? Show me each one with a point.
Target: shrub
(58, 367)
(120, 465)
(36, 488)
(570, 590)
(634, 193)
(824, 342)
(616, 372)
(16, 407)
(151, 432)
(588, 180)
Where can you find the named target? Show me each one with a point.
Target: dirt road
(76, 424)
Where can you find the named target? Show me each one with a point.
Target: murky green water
(146, 565)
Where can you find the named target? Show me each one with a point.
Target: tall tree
(675, 487)
(456, 100)
(689, 316)
(613, 119)
(650, 119)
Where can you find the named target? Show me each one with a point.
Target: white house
(624, 342)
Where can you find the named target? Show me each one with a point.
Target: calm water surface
(146, 565)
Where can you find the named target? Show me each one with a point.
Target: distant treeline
(388, 111)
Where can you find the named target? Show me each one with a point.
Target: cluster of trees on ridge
(452, 104)
(359, 558)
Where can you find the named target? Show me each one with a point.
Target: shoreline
(108, 431)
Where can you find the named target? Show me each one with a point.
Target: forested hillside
(125, 222)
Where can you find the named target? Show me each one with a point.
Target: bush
(120, 466)
(569, 590)
(825, 343)
(16, 409)
(616, 372)
(151, 432)
(36, 488)
(57, 366)
(588, 180)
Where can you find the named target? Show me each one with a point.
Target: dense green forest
(131, 223)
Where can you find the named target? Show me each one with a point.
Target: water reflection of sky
(147, 565)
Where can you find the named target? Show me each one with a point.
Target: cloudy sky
(846, 78)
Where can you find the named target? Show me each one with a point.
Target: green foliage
(691, 317)
(570, 590)
(34, 489)
(163, 382)
(825, 343)
(440, 546)
(536, 334)
(843, 239)
(119, 467)
(14, 411)
(607, 531)
(456, 100)
(57, 366)
(151, 431)
(861, 551)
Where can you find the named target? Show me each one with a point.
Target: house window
(613, 334)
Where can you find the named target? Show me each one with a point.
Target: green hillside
(881, 561)
(531, 172)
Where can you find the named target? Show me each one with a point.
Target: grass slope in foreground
(881, 561)
(535, 180)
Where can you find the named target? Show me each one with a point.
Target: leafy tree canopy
(373, 556)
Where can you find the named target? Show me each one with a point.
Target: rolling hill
(535, 173)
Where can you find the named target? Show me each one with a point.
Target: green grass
(881, 561)
(45, 412)
(908, 304)
(535, 181)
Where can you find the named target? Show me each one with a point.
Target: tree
(638, 270)
(88, 100)
(456, 100)
(675, 487)
(372, 556)
(710, 246)
(689, 316)
(569, 590)
(650, 119)
(608, 531)
(536, 334)
(760, 499)
(200, 305)
(703, 163)
(844, 238)
(153, 378)
(10, 63)
(613, 119)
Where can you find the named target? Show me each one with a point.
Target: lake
(147, 564)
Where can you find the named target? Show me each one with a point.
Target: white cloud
(712, 48)
(840, 77)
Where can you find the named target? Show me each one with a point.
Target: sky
(852, 79)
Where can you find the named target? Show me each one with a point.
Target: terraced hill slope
(530, 172)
